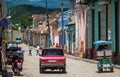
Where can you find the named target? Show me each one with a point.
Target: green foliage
(16, 27)
(26, 10)
(57, 11)
(24, 21)
(23, 14)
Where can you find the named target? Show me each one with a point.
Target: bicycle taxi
(104, 56)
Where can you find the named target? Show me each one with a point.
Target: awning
(4, 23)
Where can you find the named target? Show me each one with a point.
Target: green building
(104, 16)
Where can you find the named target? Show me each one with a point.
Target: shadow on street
(54, 72)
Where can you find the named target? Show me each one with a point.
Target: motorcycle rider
(14, 64)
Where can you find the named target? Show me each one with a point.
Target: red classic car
(52, 58)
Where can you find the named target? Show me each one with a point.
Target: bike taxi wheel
(100, 69)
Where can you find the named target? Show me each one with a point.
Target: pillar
(90, 26)
(96, 28)
(119, 26)
(103, 19)
(113, 25)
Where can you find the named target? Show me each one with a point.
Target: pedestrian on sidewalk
(30, 50)
(37, 49)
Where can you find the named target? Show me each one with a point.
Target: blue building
(62, 28)
(65, 35)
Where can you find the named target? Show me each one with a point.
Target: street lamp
(10, 26)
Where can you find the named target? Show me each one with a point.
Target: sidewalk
(87, 60)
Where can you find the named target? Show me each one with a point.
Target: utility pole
(62, 13)
(47, 18)
(0, 41)
(4, 9)
(4, 14)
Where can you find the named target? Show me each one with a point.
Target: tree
(25, 21)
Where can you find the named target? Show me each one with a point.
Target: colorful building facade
(62, 27)
(81, 27)
(102, 17)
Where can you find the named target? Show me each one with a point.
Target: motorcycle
(17, 66)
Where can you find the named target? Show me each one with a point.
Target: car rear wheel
(41, 70)
(64, 70)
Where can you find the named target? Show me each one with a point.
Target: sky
(42, 3)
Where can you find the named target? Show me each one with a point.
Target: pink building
(54, 28)
(81, 27)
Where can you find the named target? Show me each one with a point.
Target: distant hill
(28, 10)
(41, 3)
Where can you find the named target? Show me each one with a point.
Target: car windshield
(18, 38)
(13, 49)
(52, 52)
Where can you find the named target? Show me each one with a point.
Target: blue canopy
(102, 42)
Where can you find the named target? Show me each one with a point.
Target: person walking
(30, 50)
(37, 49)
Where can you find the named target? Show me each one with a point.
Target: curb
(82, 59)
(87, 60)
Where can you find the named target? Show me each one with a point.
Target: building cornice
(103, 3)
